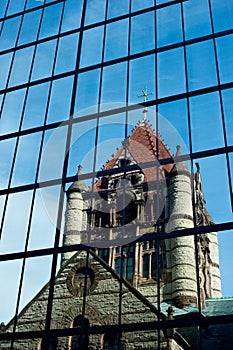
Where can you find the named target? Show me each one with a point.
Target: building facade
(134, 202)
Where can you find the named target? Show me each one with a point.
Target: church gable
(101, 308)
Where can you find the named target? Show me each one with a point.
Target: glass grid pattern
(68, 69)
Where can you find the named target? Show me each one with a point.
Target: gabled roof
(144, 146)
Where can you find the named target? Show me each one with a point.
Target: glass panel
(169, 29)
(59, 108)
(26, 159)
(72, 14)
(36, 275)
(34, 113)
(225, 58)
(51, 20)
(31, 20)
(112, 93)
(44, 218)
(7, 148)
(227, 96)
(171, 75)
(95, 11)
(201, 65)
(142, 32)
(15, 223)
(196, 18)
(225, 241)
(215, 187)
(87, 93)
(66, 56)
(44, 60)
(53, 155)
(222, 14)
(116, 40)
(206, 120)
(173, 125)
(11, 112)
(9, 33)
(5, 61)
(82, 147)
(141, 4)
(10, 274)
(142, 74)
(117, 8)
(15, 6)
(3, 7)
(110, 135)
(21, 66)
(92, 47)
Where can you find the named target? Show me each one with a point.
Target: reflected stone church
(139, 196)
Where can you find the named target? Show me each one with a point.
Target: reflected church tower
(141, 195)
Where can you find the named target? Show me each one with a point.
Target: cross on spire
(145, 95)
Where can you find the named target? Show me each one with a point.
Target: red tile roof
(142, 147)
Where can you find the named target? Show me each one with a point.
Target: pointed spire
(179, 165)
(78, 185)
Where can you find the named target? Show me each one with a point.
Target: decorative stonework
(76, 279)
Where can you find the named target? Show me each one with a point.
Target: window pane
(12, 111)
(92, 47)
(227, 96)
(142, 32)
(206, 120)
(26, 159)
(51, 20)
(117, 8)
(196, 18)
(5, 61)
(116, 44)
(222, 14)
(82, 147)
(31, 20)
(141, 4)
(9, 33)
(142, 74)
(171, 79)
(15, 6)
(95, 11)
(201, 65)
(44, 60)
(169, 28)
(225, 58)
(66, 56)
(72, 14)
(114, 92)
(59, 108)
(173, 125)
(34, 113)
(7, 148)
(21, 66)
(87, 92)
(53, 155)
(3, 7)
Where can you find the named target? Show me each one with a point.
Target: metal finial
(145, 95)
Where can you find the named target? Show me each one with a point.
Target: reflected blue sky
(205, 110)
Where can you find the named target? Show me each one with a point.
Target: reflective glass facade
(75, 77)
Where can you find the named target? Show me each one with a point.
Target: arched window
(80, 341)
